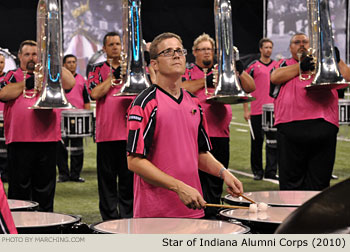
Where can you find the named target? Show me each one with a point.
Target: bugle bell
(49, 39)
(327, 74)
(228, 88)
(135, 79)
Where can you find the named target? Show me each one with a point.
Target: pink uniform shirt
(218, 115)
(295, 103)
(261, 75)
(169, 133)
(111, 111)
(29, 125)
(75, 96)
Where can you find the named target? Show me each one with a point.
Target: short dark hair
(264, 40)
(68, 56)
(296, 34)
(153, 50)
(110, 34)
(26, 42)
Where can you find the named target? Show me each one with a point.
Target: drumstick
(245, 197)
(226, 206)
(251, 129)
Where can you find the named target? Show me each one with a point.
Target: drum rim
(77, 219)
(93, 226)
(253, 221)
(247, 203)
(35, 204)
(76, 112)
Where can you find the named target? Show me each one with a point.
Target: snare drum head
(274, 198)
(168, 226)
(267, 107)
(274, 215)
(42, 219)
(16, 205)
(75, 112)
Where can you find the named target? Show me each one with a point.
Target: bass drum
(97, 57)
(168, 226)
(10, 60)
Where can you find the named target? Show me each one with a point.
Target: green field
(82, 198)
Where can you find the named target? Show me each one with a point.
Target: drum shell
(168, 226)
(76, 123)
(268, 117)
(344, 111)
(45, 223)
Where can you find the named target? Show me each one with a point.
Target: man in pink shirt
(168, 141)
(116, 198)
(218, 115)
(79, 97)
(307, 123)
(31, 134)
(260, 70)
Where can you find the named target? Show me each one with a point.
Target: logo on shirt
(193, 111)
(135, 118)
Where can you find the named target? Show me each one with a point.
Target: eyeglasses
(171, 52)
(297, 42)
(205, 49)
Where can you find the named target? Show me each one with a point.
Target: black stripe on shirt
(203, 138)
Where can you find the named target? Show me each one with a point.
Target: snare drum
(273, 198)
(264, 222)
(22, 205)
(268, 118)
(344, 111)
(76, 123)
(168, 226)
(44, 223)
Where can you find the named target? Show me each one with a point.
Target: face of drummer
(298, 44)
(112, 47)
(2, 63)
(172, 64)
(28, 57)
(71, 64)
(204, 54)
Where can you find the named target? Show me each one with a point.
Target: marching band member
(116, 199)
(260, 71)
(168, 141)
(218, 115)
(31, 135)
(80, 99)
(307, 123)
(3, 156)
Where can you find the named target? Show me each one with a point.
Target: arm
(247, 82)
(193, 85)
(344, 70)
(284, 74)
(209, 164)
(246, 111)
(68, 80)
(101, 89)
(12, 91)
(153, 175)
